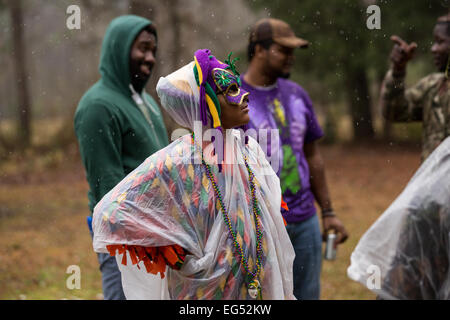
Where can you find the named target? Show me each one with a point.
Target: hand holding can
(330, 247)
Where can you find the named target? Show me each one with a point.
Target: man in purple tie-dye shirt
(278, 103)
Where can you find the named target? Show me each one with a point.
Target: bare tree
(20, 66)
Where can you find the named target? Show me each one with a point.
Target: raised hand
(401, 53)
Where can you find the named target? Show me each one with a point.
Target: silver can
(330, 250)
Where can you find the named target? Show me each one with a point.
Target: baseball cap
(278, 31)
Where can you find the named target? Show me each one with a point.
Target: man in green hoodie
(117, 124)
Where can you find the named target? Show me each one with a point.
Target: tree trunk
(176, 30)
(387, 125)
(143, 9)
(23, 98)
(360, 104)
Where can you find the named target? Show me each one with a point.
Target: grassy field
(43, 210)
(363, 183)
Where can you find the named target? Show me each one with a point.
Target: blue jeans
(111, 277)
(307, 242)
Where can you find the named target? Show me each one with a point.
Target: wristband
(328, 213)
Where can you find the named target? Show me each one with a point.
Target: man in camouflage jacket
(429, 100)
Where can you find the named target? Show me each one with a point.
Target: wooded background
(46, 67)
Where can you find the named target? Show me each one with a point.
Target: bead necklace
(254, 287)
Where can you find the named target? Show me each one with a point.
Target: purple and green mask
(215, 77)
(230, 85)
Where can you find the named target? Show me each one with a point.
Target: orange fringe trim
(155, 259)
(284, 206)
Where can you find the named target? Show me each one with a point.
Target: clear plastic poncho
(169, 200)
(405, 253)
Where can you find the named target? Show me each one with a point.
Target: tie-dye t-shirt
(286, 106)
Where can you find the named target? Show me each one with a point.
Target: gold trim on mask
(214, 78)
(233, 94)
(240, 101)
(225, 92)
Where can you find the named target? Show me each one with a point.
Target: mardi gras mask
(228, 84)
(215, 77)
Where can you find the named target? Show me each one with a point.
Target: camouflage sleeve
(399, 104)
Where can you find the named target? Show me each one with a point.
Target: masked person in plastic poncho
(205, 216)
(405, 253)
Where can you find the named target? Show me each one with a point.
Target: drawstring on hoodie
(142, 105)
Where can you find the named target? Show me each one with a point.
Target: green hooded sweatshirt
(113, 133)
